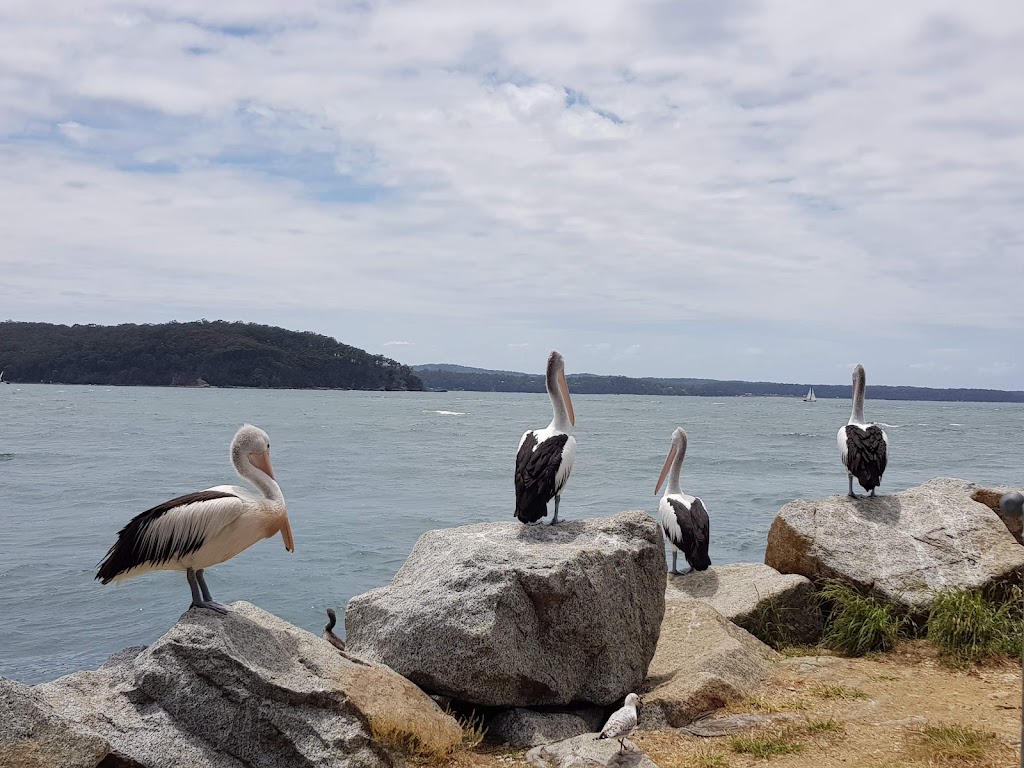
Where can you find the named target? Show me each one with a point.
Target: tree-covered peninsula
(216, 353)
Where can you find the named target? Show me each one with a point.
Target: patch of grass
(945, 744)
(708, 757)
(844, 692)
(760, 704)
(473, 730)
(823, 726)
(767, 744)
(858, 624)
(792, 651)
(968, 627)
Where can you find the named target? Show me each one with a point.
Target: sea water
(365, 473)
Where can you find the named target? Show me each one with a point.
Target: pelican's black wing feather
(696, 529)
(536, 472)
(131, 548)
(866, 454)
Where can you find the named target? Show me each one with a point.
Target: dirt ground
(869, 712)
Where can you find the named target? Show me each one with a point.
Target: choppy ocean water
(366, 473)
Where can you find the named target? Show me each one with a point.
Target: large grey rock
(503, 614)
(248, 689)
(523, 728)
(587, 751)
(778, 609)
(34, 735)
(703, 662)
(904, 546)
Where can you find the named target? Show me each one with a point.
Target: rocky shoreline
(540, 631)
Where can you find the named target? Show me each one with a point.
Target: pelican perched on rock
(545, 456)
(684, 517)
(864, 447)
(193, 532)
(622, 722)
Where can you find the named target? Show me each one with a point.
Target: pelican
(863, 447)
(193, 532)
(684, 517)
(622, 722)
(545, 456)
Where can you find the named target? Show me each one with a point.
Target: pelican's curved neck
(677, 465)
(264, 483)
(859, 383)
(560, 414)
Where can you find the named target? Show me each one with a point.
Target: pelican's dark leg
(852, 494)
(622, 747)
(554, 520)
(675, 554)
(201, 597)
(872, 491)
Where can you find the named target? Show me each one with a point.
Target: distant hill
(217, 353)
(456, 377)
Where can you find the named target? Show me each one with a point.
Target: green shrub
(967, 627)
(859, 624)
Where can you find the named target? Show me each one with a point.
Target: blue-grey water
(366, 473)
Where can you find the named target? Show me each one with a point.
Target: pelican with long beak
(545, 456)
(863, 447)
(684, 517)
(193, 532)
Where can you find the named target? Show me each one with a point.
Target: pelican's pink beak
(564, 386)
(286, 535)
(664, 470)
(262, 462)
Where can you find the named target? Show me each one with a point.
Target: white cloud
(397, 343)
(647, 170)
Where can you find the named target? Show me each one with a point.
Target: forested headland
(458, 377)
(215, 353)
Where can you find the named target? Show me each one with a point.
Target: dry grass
(707, 756)
(844, 692)
(813, 727)
(767, 706)
(953, 744)
(765, 744)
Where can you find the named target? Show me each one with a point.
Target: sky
(710, 188)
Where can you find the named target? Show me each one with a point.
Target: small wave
(883, 425)
(954, 424)
(6, 456)
(448, 413)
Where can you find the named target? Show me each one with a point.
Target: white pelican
(863, 447)
(545, 456)
(193, 532)
(684, 518)
(623, 721)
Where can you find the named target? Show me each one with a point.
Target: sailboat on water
(810, 398)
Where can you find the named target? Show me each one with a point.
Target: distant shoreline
(456, 378)
(428, 391)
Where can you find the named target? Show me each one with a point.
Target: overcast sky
(712, 188)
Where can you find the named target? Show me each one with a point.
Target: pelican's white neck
(859, 385)
(264, 483)
(560, 414)
(672, 487)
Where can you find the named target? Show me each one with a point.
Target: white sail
(810, 396)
